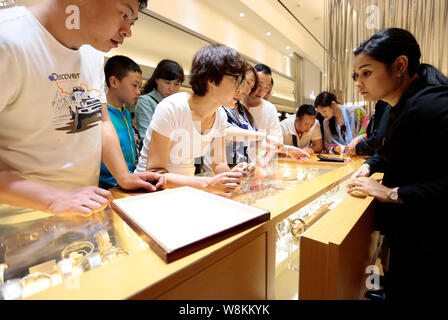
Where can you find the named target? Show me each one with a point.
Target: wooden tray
(178, 222)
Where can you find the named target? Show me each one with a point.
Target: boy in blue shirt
(123, 78)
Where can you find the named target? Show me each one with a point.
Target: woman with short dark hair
(412, 154)
(185, 126)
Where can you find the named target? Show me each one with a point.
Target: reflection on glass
(35, 283)
(276, 176)
(78, 252)
(65, 266)
(3, 268)
(11, 290)
(94, 261)
(107, 251)
(293, 254)
(290, 230)
(3, 265)
(32, 239)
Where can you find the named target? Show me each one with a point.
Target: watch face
(393, 195)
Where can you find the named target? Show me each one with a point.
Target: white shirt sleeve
(316, 133)
(103, 97)
(284, 127)
(221, 116)
(275, 128)
(10, 80)
(164, 119)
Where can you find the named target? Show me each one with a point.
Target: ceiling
(306, 13)
(310, 13)
(252, 23)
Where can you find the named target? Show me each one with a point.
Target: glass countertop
(281, 175)
(40, 250)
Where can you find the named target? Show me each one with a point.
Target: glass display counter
(281, 175)
(39, 252)
(285, 175)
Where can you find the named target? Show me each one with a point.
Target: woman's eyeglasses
(239, 79)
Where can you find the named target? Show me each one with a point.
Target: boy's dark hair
(142, 4)
(264, 69)
(211, 63)
(167, 70)
(306, 109)
(119, 66)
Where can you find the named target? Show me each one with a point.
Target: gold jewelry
(298, 228)
(78, 251)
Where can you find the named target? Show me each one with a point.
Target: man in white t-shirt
(303, 130)
(265, 113)
(54, 124)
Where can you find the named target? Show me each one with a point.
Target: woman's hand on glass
(351, 148)
(273, 145)
(363, 171)
(369, 187)
(224, 182)
(244, 168)
(296, 153)
(308, 150)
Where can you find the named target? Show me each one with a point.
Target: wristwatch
(393, 195)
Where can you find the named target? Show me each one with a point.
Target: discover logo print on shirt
(76, 107)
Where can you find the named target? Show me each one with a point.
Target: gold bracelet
(159, 170)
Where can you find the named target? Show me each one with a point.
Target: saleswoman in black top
(413, 155)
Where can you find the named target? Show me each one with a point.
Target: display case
(101, 257)
(308, 244)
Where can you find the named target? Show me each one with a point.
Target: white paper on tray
(178, 217)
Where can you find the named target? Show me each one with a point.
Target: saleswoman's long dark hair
(387, 45)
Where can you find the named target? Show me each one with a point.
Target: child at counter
(123, 78)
